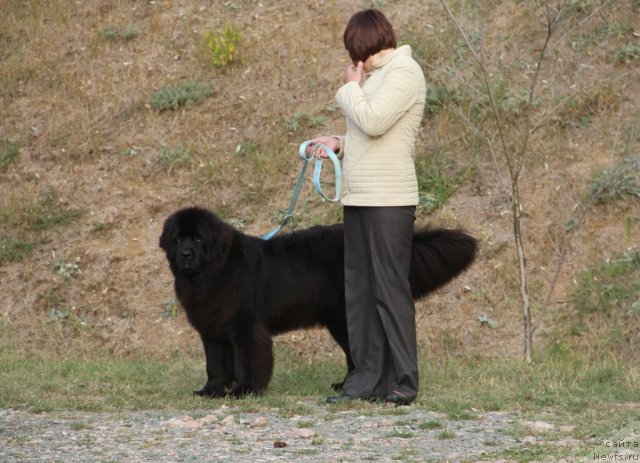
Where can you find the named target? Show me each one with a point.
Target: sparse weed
(174, 156)
(301, 121)
(434, 185)
(24, 222)
(171, 308)
(66, 269)
(120, 33)
(609, 286)
(438, 98)
(431, 424)
(9, 153)
(188, 93)
(13, 249)
(446, 434)
(629, 52)
(400, 434)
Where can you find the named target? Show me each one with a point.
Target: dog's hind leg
(339, 333)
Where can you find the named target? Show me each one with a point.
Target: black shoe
(397, 398)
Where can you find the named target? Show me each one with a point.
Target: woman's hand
(354, 73)
(330, 142)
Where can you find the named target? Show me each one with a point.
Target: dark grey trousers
(380, 309)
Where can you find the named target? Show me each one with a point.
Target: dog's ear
(168, 238)
(218, 238)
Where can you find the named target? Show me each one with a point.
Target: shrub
(186, 93)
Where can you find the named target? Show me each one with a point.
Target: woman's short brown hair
(367, 33)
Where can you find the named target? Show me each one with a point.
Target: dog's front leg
(219, 357)
(253, 360)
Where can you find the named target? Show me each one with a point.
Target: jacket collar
(404, 50)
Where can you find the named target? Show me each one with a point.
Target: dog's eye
(178, 239)
(197, 240)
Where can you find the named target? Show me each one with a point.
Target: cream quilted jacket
(383, 119)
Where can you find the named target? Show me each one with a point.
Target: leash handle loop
(288, 219)
(318, 167)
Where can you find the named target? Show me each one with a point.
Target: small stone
(228, 421)
(305, 433)
(541, 426)
(259, 422)
(209, 419)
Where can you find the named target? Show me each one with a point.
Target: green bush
(222, 48)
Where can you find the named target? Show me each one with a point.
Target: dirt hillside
(91, 165)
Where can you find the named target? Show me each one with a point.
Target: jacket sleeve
(375, 114)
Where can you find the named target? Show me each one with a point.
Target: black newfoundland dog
(238, 290)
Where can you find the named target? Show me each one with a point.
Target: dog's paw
(337, 386)
(209, 391)
(239, 391)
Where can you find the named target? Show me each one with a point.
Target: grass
(461, 388)
(594, 397)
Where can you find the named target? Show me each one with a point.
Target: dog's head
(195, 241)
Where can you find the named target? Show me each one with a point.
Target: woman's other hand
(354, 73)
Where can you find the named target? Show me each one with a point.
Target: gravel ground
(231, 434)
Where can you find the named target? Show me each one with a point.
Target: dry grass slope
(89, 150)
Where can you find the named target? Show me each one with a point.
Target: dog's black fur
(238, 290)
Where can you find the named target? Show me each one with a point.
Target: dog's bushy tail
(438, 256)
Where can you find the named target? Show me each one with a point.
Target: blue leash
(288, 218)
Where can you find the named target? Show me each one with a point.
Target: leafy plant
(617, 183)
(222, 48)
(188, 93)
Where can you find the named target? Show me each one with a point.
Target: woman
(383, 98)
